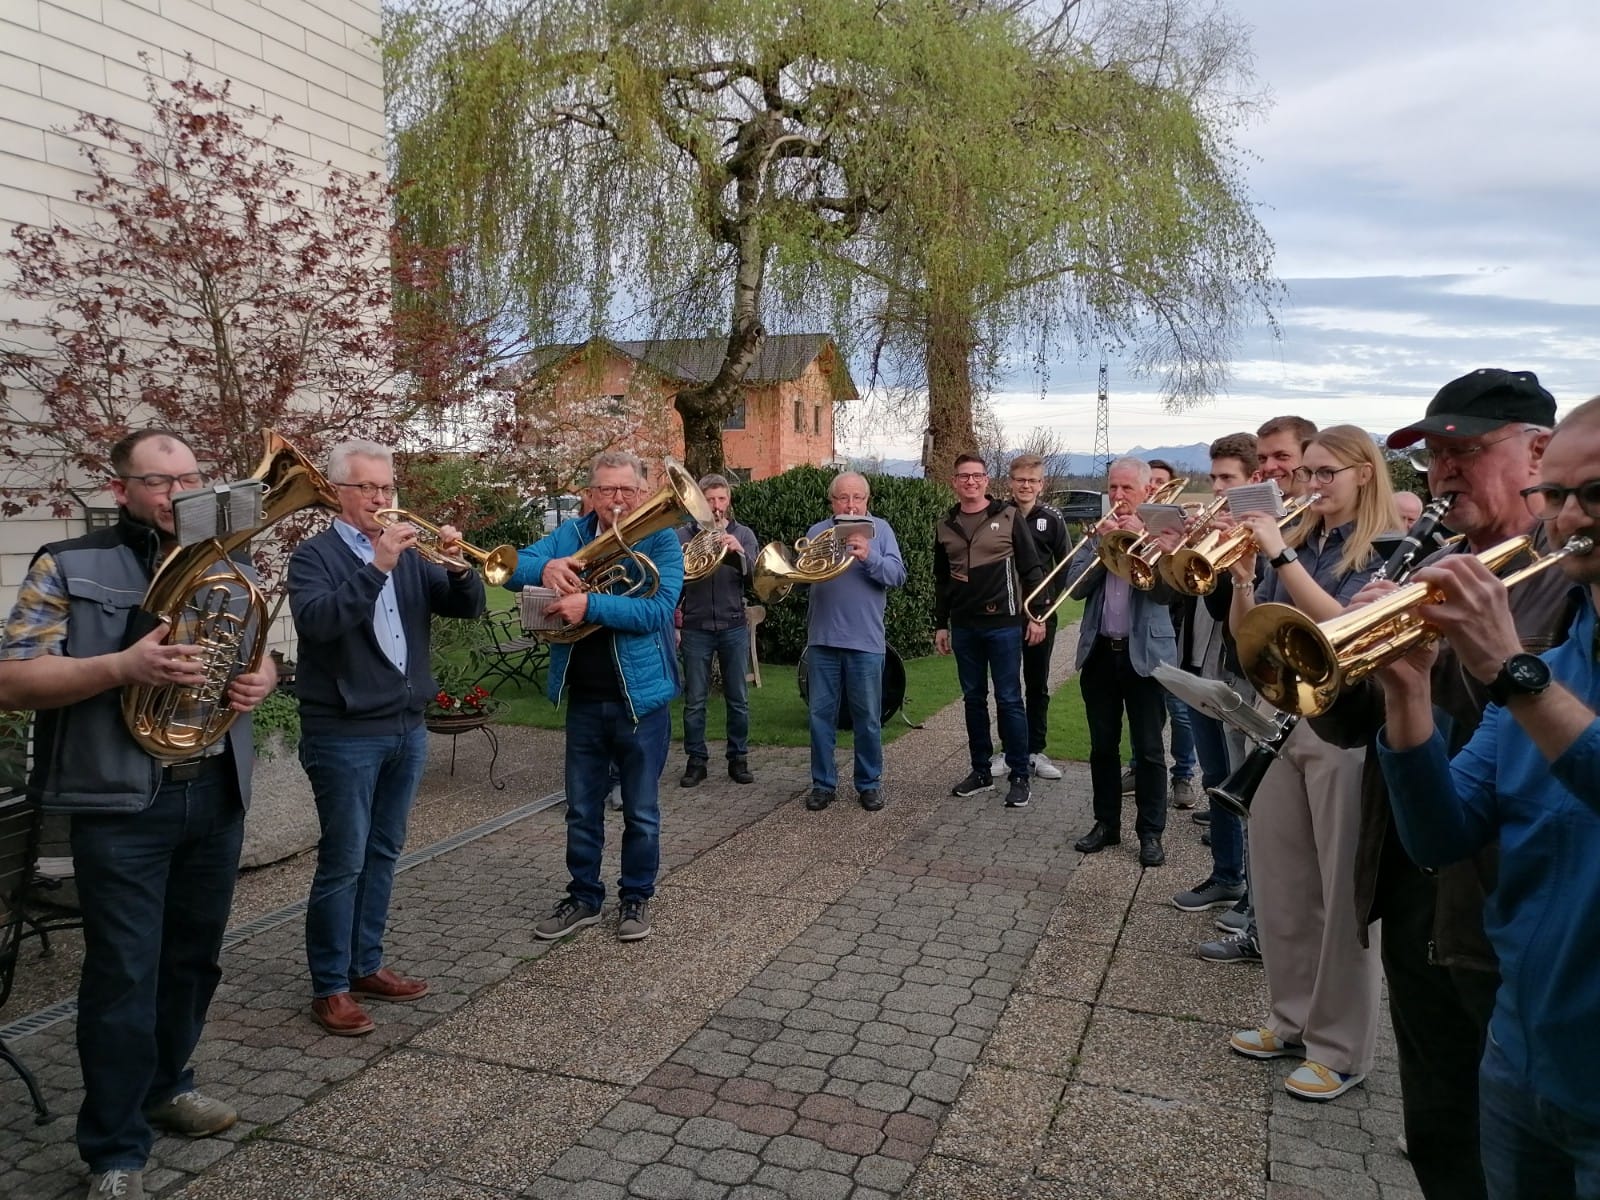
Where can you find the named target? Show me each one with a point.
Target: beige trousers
(1303, 825)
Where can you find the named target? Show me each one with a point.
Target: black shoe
(694, 774)
(1150, 852)
(819, 799)
(739, 771)
(1017, 794)
(871, 800)
(1097, 839)
(974, 783)
(1205, 838)
(1201, 816)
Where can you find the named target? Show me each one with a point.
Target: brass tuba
(813, 560)
(1301, 666)
(207, 601)
(703, 553)
(610, 562)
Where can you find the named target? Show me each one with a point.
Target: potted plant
(460, 703)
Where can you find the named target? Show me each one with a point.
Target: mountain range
(1192, 458)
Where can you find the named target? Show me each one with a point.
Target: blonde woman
(1324, 985)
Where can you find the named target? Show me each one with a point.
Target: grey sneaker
(1128, 784)
(974, 783)
(1017, 794)
(634, 922)
(565, 918)
(117, 1185)
(193, 1115)
(1183, 794)
(1236, 919)
(1044, 768)
(614, 799)
(997, 764)
(1208, 895)
(1235, 948)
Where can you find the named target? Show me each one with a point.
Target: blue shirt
(1542, 915)
(1320, 557)
(386, 624)
(847, 613)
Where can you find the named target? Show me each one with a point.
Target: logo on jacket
(1041, 524)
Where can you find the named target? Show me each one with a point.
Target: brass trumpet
(1300, 666)
(1132, 556)
(497, 565)
(1194, 570)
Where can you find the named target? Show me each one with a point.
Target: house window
(99, 518)
(816, 419)
(737, 474)
(799, 417)
(735, 417)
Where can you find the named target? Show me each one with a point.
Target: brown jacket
(1542, 609)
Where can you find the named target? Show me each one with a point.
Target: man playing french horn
(155, 846)
(618, 681)
(713, 625)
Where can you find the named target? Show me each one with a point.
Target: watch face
(1528, 671)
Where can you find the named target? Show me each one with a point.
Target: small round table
(454, 725)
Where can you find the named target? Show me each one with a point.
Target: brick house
(784, 420)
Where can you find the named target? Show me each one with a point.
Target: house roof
(696, 360)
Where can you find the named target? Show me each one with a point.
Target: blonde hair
(1376, 514)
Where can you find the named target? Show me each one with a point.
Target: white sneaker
(1044, 768)
(997, 764)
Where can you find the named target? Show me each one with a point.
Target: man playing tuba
(150, 966)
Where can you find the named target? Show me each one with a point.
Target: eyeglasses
(1424, 457)
(1023, 481)
(165, 483)
(369, 490)
(617, 490)
(969, 476)
(1546, 500)
(1321, 474)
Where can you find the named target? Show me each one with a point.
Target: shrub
(278, 714)
(783, 507)
(478, 498)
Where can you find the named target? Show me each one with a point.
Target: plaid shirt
(38, 623)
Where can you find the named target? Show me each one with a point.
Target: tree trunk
(948, 357)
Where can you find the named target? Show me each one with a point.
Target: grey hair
(615, 458)
(339, 457)
(833, 485)
(1138, 464)
(707, 482)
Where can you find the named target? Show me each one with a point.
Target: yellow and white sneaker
(1313, 1081)
(1263, 1043)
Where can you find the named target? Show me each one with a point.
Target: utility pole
(1102, 418)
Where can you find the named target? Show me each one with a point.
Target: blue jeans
(857, 677)
(981, 652)
(1532, 1150)
(732, 648)
(601, 737)
(155, 888)
(364, 787)
(1227, 831)
(1182, 738)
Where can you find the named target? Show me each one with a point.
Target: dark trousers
(1227, 831)
(1440, 1017)
(155, 888)
(1036, 687)
(1111, 687)
(1533, 1149)
(602, 738)
(983, 651)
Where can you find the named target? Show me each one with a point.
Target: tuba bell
(609, 562)
(207, 601)
(813, 560)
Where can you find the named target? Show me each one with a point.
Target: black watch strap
(1284, 558)
(1520, 675)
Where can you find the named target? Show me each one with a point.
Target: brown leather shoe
(384, 984)
(340, 1015)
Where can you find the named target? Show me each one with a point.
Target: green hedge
(783, 507)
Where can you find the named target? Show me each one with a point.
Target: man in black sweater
(361, 606)
(1049, 532)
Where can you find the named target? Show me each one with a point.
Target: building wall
(312, 62)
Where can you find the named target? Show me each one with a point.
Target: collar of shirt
(354, 538)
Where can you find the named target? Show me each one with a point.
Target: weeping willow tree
(941, 177)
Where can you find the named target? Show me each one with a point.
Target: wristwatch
(1520, 675)
(1284, 558)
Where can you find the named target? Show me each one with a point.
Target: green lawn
(778, 715)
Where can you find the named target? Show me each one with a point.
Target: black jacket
(983, 580)
(1048, 529)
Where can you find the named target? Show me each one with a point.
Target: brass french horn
(813, 560)
(703, 553)
(207, 601)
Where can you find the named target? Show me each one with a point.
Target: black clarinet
(1238, 791)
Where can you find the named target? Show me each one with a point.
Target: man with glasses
(362, 606)
(1049, 532)
(984, 563)
(618, 682)
(1482, 439)
(155, 846)
(1526, 785)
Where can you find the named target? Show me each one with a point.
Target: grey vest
(85, 760)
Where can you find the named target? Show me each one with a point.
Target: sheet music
(218, 510)
(532, 603)
(1256, 497)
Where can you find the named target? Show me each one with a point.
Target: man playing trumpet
(361, 606)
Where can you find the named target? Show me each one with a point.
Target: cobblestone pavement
(936, 1000)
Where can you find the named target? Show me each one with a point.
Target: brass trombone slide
(1043, 586)
(1300, 666)
(497, 565)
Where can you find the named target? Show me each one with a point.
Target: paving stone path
(941, 999)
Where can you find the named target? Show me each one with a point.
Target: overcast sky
(1428, 173)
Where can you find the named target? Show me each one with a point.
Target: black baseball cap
(1480, 402)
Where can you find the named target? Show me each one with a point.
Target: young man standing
(1049, 532)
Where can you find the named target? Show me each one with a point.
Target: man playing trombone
(1049, 533)
(362, 598)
